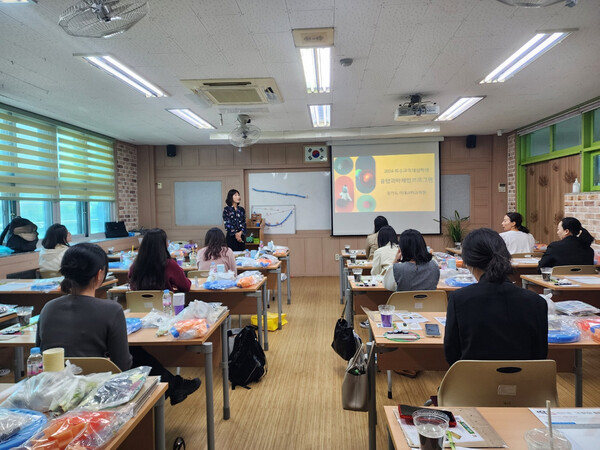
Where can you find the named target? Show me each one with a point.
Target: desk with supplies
(170, 352)
(344, 256)
(270, 272)
(583, 287)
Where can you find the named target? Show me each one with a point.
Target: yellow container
(271, 321)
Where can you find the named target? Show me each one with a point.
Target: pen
(450, 440)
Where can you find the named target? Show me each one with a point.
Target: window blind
(28, 162)
(85, 166)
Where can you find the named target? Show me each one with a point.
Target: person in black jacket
(493, 319)
(573, 249)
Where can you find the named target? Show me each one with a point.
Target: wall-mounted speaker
(471, 141)
(171, 151)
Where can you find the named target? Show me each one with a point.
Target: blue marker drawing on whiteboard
(280, 223)
(280, 193)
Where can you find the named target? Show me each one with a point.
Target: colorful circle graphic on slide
(365, 174)
(365, 203)
(343, 166)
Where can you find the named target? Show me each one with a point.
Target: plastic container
(178, 302)
(167, 302)
(576, 187)
(539, 439)
(35, 362)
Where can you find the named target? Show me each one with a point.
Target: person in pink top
(154, 269)
(215, 250)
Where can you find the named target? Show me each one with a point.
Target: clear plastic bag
(201, 310)
(217, 276)
(189, 329)
(247, 279)
(119, 389)
(54, 392)
(16, 426)
(133, 324)
(155, 318)
(79, 430)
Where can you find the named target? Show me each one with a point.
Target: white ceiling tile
(314, 18)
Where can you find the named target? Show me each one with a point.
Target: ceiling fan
(245, 134)
(102, 18)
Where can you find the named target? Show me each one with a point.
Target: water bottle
(167, 303)
(576, 187)
(213, 270)
(35, 363)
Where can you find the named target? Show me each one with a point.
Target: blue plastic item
(564, 336)
(219, 284)
(456, 282)
(39, 420)
(133, 324)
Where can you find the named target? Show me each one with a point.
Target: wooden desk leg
(579, 378)
(372, 401)
(159, 424)
(225, 366)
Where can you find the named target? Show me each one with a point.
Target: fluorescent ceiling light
(192, 118)
(320, 115)
(18, 1)
(118, 70)
(458, 107)
(537, 46)
(317, 69)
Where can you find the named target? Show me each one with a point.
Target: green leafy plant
(455, 226)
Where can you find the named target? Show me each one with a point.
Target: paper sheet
(462, 433)
(586, 280)
(580, 426)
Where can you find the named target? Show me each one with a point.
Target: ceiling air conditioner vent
(242, 91)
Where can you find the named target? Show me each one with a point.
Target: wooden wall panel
(547, 182)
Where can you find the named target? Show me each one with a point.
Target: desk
(18, 292)
(271, 269)
(174, 348)
(234, 298)
(588, 291)
(454, 251)
(121, 273)
(510, 423)
(344, 255)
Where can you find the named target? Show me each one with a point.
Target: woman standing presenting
(573, 248)
(517, 237)
(234, 220)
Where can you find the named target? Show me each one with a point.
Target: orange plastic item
(246, 282)
(190, 328)
(63, 431)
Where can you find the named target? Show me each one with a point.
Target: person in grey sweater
(87, 326)
(414, 269)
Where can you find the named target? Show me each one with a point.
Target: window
(567, 133)
(539, 143)
(52, 173)
(596, 170)
(596, 125)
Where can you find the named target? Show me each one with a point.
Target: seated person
(414, 269)
(216, 250)
(87, 326)
(154, 269)
(493, 319)
(54, 246)
(371, 244)
(517, 237)
(573, 248)
(385, 255)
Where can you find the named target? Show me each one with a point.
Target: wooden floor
(298, 404)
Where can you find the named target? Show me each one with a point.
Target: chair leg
(389, 376)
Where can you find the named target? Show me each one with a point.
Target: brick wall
(127, 194)
(585, 206)
(511, 173)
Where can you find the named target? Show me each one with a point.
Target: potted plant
(455, 228)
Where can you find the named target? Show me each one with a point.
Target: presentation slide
(399, 181)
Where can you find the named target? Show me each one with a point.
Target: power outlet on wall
(337, 256)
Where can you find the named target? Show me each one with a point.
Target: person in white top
(385, 255)
(517, 237)
(54, 246)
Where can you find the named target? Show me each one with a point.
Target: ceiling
(439, 48)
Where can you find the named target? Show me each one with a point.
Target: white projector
(415, 113)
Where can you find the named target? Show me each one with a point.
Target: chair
(527, 255)
(419, 301)
(574, 270)
(197, 273)
(416, 301)
(180, 243)
(92, 364)
(49, 274)
(527, 383)
(143, 301)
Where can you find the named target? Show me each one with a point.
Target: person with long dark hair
(385, 255)
(87, 326)
(414, 269)
(371, 244)
(234, 220)
(517, 237)
(154, 269)
(493, 319)
(215, 250)
(54, 245)
(573, 248)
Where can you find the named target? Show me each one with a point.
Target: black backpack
(22, 235)
(247, 362)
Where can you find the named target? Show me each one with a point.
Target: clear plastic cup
(386, 312)
(357, 274)
(24, 314)
(539, 439)
(347, 248)
(546, 273)
(180, 260)
(432, 426)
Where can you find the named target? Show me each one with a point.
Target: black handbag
(115, 229)
(345, 340)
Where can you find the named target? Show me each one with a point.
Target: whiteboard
(278, 219)
(187, 195)
(308, 192)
